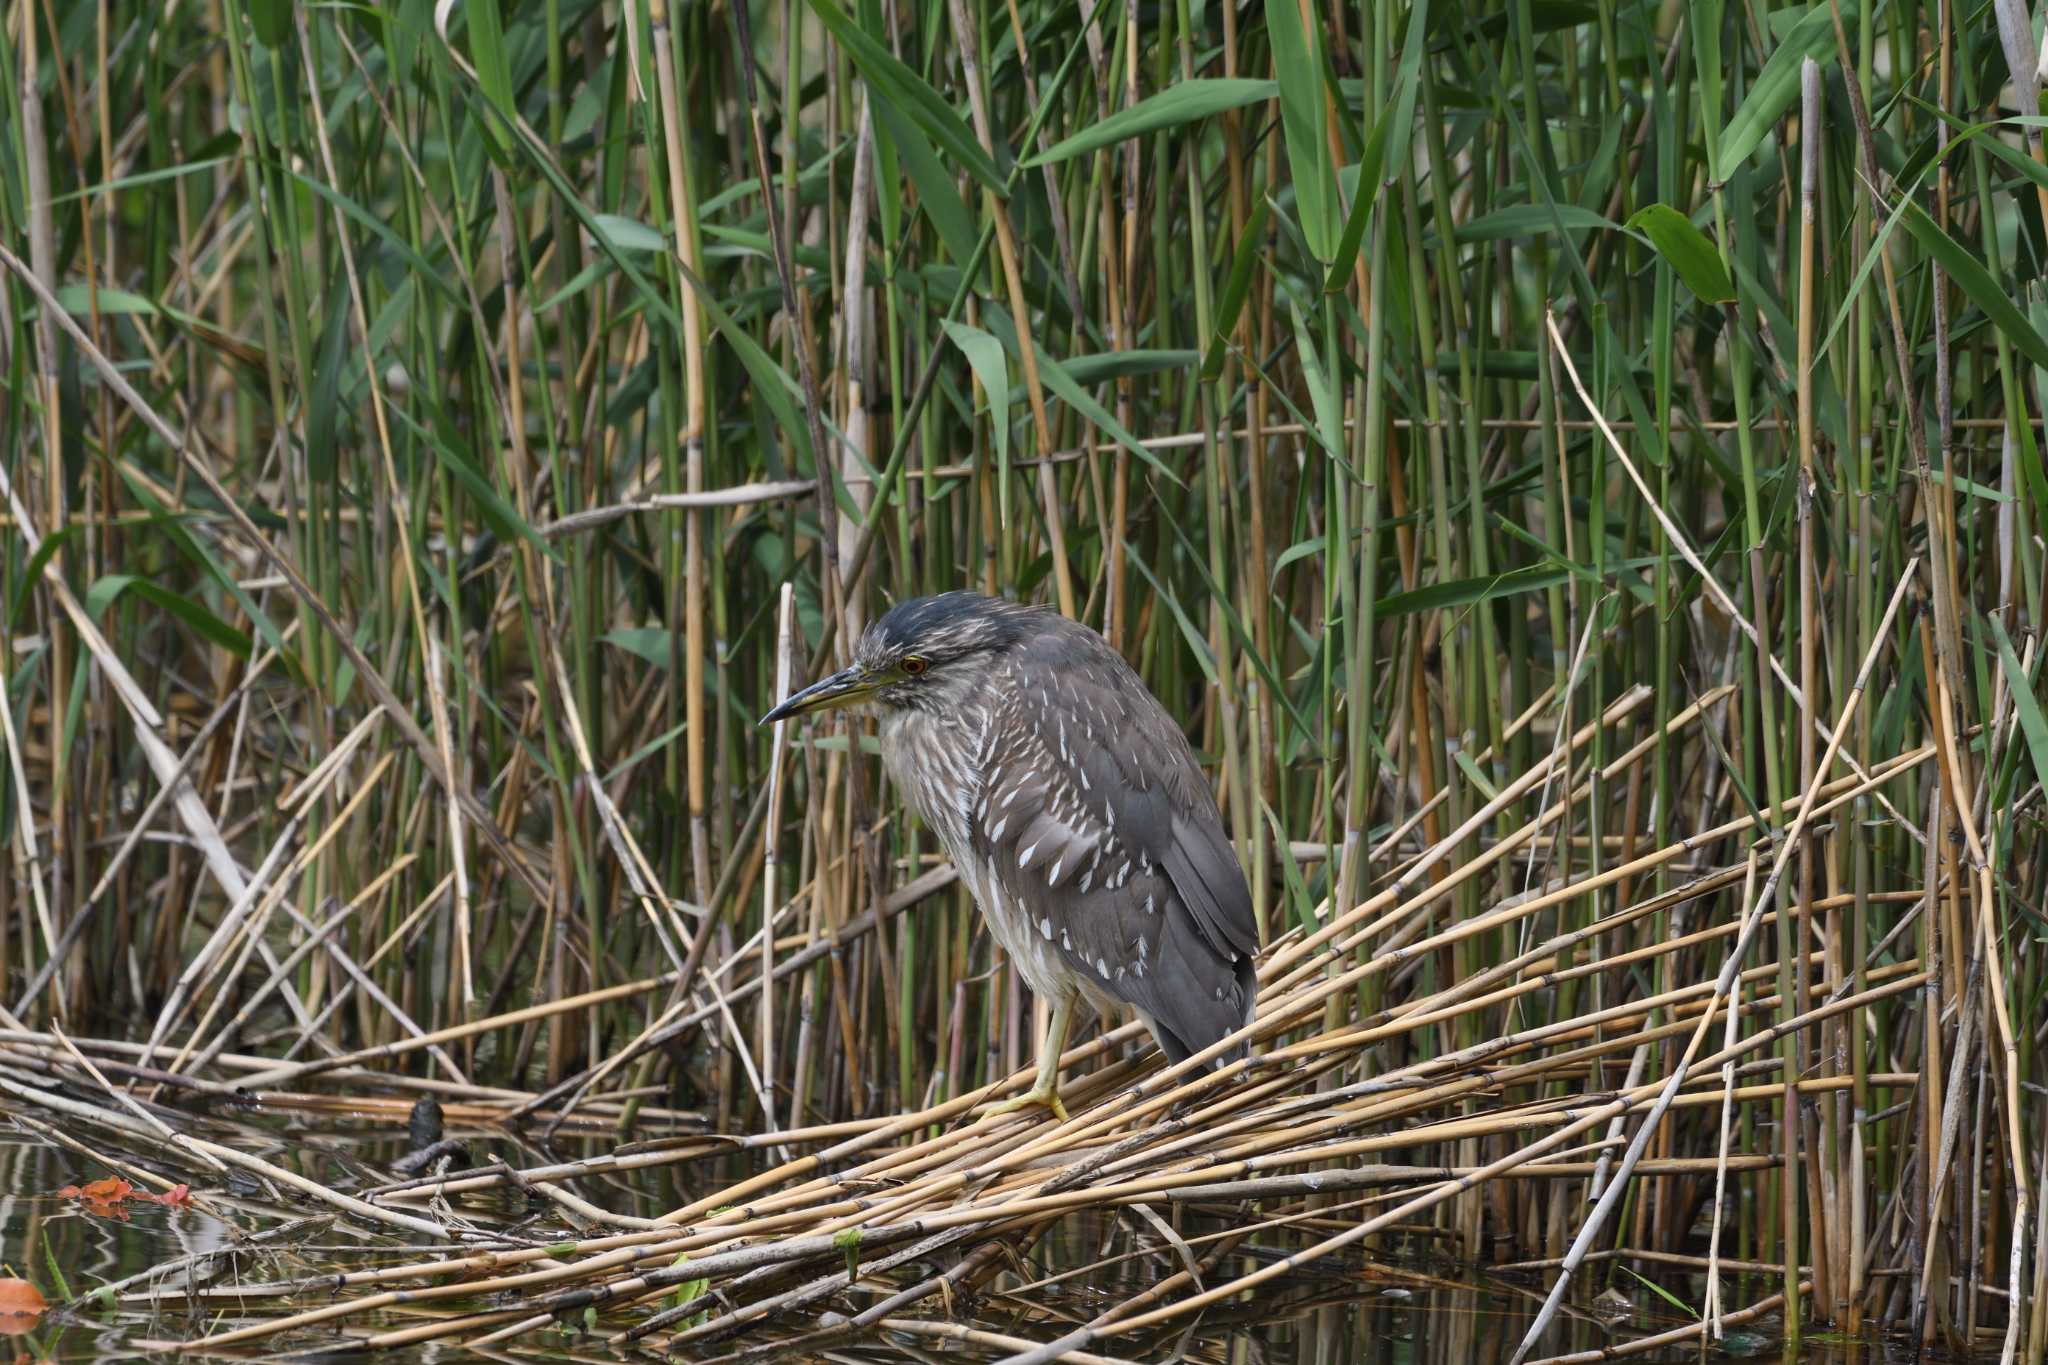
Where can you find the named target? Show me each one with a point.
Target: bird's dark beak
(844, 688)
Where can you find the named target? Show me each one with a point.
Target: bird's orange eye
(913, 665)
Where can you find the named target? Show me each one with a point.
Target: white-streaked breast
(932, 759)
(938, 762)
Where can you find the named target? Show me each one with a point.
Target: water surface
(1394, 1307)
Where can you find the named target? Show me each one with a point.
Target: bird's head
(922, 653)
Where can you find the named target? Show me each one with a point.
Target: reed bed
(1573, 468)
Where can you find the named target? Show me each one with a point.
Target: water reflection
(1388, 1308)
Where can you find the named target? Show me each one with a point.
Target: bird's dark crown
(945, 627)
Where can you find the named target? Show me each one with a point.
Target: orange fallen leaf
(108, 1197)
(102, 1197)
(21, 1304)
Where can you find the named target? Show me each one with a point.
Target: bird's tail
(1183, 1038)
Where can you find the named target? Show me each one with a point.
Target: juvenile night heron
(1073, 808)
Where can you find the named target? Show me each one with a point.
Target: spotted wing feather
(1101, 835)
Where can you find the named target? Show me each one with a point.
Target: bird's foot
(1044, 1096)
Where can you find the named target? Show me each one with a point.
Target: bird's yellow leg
(1045, 1092)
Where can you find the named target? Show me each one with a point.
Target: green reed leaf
(1687, 249)
(898, 85)
(1183, 102)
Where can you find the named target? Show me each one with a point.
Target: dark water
(1394, 1308)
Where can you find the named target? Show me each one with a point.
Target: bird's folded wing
(1145, 901)
(1205, 872)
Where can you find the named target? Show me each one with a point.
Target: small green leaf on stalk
(1182, 102)
(1063, 385)
(1686, 249)
(644, 752)
(1193, 634)
(587, 276)
(1970, 487)
(1336, 278)
(811, 184)
(1871, 255)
